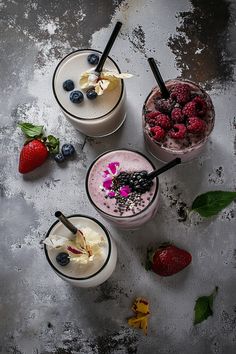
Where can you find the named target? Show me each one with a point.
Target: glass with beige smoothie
(93, 115)
(180, 125)
(116, 188)
(71, 262)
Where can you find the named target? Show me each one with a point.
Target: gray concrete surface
(39, 313)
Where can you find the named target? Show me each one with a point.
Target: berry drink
(117, 187)
(94, 114)
(85, 266)
(180, 125)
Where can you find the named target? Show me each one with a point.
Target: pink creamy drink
(112, 185)
(180, 125)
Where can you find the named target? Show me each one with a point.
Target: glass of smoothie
(179, 124)
(85, 264)
(89, 88)
(117, 187)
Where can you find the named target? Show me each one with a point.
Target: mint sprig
(211, 203)
(204, 307)
(31, 130)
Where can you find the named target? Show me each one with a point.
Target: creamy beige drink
(94, 115)
(71, 262)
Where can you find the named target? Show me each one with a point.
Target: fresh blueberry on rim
(59, 157)
(68, 85)
(63, 259)
(76, 96)
(91, 94)
(67, 150)
(93, 59)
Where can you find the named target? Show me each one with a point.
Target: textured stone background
(40, 314)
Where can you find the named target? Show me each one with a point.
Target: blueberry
(63, 259)
(67, 150)
(76, 96)
(91, 94)
(59, 157)
(93, 59)
(68, 85)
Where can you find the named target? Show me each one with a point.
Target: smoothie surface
(71, 68)
(134, 203)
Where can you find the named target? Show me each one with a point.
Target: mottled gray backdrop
(40, 314)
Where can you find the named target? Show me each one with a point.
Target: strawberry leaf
(204, 307)
(211, 203)
(31, 130)
(52, 144)
(149, 259)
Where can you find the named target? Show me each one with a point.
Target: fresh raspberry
(177, 115)
(164, 106)
(151, 115)
(157, 133)
(190, 109)
(163, 121)
(196, 125)
(181, 93)
(178, 132)
(151, 118)
(201, 106)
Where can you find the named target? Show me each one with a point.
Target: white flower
(107, 80)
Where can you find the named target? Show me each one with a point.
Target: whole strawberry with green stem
(36, 148)
(167, 260)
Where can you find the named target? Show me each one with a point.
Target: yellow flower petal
(140, 320)
(101, 86)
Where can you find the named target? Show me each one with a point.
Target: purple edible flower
(125, 191)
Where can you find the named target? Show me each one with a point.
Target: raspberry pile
(183, 113)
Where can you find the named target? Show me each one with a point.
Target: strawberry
(32, 155)
(36, 148)
(168, 260)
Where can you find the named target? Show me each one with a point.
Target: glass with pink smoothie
(116, 186)
(180, 125)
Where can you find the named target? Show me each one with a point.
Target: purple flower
(111, 194)
(107, 183)
(105, 173)
(125, 191)
(113, 167)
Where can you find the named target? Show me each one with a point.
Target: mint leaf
(31, 130)
(211, 203)
(53, 144)
(204, 307)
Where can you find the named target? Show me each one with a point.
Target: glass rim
(104, 264)
(58, 101)
(120, 216)
(202, 141)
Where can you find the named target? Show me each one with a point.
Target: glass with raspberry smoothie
(117, 188)
(180, 125)
(86, 265)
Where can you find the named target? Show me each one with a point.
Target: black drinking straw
(108, 47)
(164, 168)
(66, 222)
(164, 92)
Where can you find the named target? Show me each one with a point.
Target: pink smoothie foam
(138, 208)
(188, 147)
